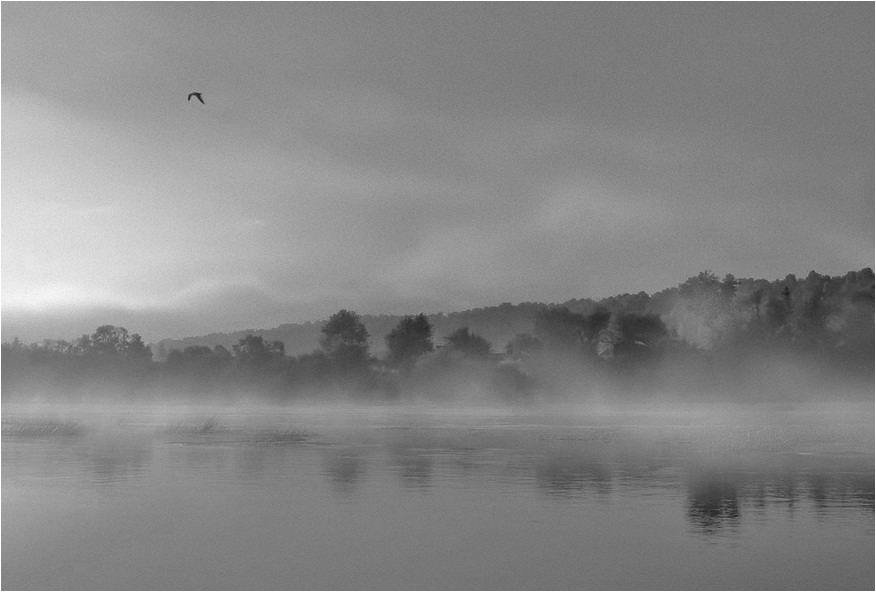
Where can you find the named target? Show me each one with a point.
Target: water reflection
(115, 461)
(717, 491)
(566, 475)
(259, 496)
(413, 465)
(713, 503)
(344, 469)
(719, 500)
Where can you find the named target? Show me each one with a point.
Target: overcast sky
(399, 158)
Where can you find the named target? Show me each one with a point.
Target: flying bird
(197, 96)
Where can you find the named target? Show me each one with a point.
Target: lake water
(431, 498)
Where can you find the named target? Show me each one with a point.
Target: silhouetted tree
(722, 331)
(596, 322)
(412, 337)
(468, 343)
(560, 329)
(109, 340)
(254, 352)
(704, 313)
(728, 286)
(309, 370)
(200, 368)
(345, 341)
(778, 311)
(644, 329)
(639, 337)
(202, 358)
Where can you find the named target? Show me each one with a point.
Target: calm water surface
(413, 498)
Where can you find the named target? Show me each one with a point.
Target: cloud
(56, 295)
(375, 172)
(578, 207)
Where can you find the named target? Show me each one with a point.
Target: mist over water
(493, 188)
(433, 496)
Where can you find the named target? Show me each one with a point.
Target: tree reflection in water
(414, 467)
(567, 475)
(713, 502)
(114, 461)
(345, 469)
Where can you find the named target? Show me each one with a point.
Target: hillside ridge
(500, 323)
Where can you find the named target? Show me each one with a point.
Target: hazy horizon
(33, 326)
(405, 158)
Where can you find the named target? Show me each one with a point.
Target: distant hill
(702, 311)
(708, 336)
(497, 324)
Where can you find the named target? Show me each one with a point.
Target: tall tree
(596, 322)
(560, 329)
(468, 343)
(109, 340)
(704, 313)
(644, 329)
(345, 340)
(412, 337)
(254, 352)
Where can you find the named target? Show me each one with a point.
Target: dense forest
(746, 339)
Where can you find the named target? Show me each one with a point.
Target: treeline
(726, 337)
